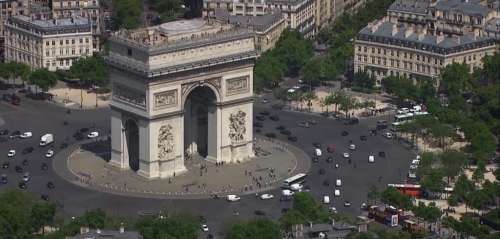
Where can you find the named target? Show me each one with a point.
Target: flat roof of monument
(184, 26)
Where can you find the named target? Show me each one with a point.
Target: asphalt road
(40, 118)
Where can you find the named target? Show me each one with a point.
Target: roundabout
(86, 164)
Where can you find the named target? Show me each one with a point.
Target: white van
(287, 193)
(46, 139)
(233, 198)
(296, 187)
(317, 152)
(337, 192)
(371, 159)
(326, 199)
(338, 183)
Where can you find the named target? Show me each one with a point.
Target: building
(81, 8)
(267, 28)
(209, 5)
(385, 48)
(322, 13)
(54, 44)
(183, 88)
(341, 7)
(9, 8)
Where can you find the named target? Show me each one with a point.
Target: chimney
(394, 29)
(84, 230)
(122, 228)
(408, 31)
(439, 38)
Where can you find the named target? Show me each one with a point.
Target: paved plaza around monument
(275, 160)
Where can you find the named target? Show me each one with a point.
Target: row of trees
(42, 78)
(128, 13)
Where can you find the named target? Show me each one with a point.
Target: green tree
(393, 197)
(42, 213)
(363, 82)
(262, 228)
(169, 10)
(43, 79)
(175, 227)
(290, 218)
(309, 96)
(433, 181)
(453, 162)
(127, 13)
(268, 72)
(373, 194)
(478, 175)
(455, 78)
(293, 50)
(312, 210)
(90, 71)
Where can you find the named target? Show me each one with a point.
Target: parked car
(274, 118)
(344, 133)
(292, 138)
(270, 135)
(27, 150)
(286, 132)
(280, 128)
(381, 154)
(260, 117)
(265, 112)
(346, 155)
(5, 165)
(15, 134)
(232, 198)
(93, 134)
(4, 179)
(352, 146)
(50, 185)
(304, 124)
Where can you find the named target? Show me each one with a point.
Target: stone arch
(131, 139)
(214, 85)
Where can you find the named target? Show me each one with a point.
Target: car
(363, 138)
(332, 209)
(44, 166)
(346, 155)
(364, 206)
(315, 159)
(286, 132)
(78, 136)
(352, 121)
(344, 133)
(264, 101)
(413, 167)
(347, 204)
(338, 182)
(204, 227)
(15, 134)
(326, 183)
(312, 122)
(381, 154)
(330, 148)
(317, 152)
(18, 169)
(11, 153)
(3, 179)
(304, 124)
(280, 128)
(415, 161)
(25, 162)
(44, 197)
(260, 117)
(49, 153)
(388, 135)
(270, 135)
(352, 146)
(264, 112)
(22, 185)
(292, 138)
(63, 145)
(5, 165)
(27, 150)
(326, 199)
(371, 159)
(4, 132)
(93, 134)
(336, 192)
(232, 198)
(322, 171)
(50, 185)
(26, 177)
(266, 196)
(329, 160)
(259, 212)
(26, 135)
(274, 118)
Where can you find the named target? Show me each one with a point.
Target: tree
(441, 132)
(169, 10)
(90, 71)
(373, 194)
(453, 162)
(347, 103)
(433, 181)
(261, 228)
(268, 72)
(455, 78)
(311, 210)
(43, 79)
(42, 213)
(127, 13)
(363, 82)
(293, 50)
(309, 97)
(290, 218)
(478, 175)
(175, 227)
(393, 197)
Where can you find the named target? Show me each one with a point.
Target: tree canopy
(261, 228)
(43, 79)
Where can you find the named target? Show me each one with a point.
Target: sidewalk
(72, 98)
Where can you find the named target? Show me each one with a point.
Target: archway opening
(200, 123)
(132, 139)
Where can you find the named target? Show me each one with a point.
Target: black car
(4, 132)
(15, 134)
(281, 127)
(322, 171)
(259, 213)
(63, 145)
(381, 127)
(344, 133)
(22, 185)
(315, 159)
(271, 135)
(352, 121)
(292, 138)
(18, 169)
(258, 130)
(50, 185)
(363, 138)
(3, 139)
(25, 162)
(286, 132)
(326, 183)
(381, 154)
(5, 165)
(45, 197)
(44, 166)
(28, 150)
(274, 118)
(317, 145)
(265, 112)
(329, 160)
(258, 124)
(78, 136)
(260, 117)
(3, 179)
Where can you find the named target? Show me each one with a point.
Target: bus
(407, 117)
(297, 179)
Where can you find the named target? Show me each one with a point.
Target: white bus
(297, 179)
(404, 118)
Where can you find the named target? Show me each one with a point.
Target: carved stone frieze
(129, 95)
(237, 128)
(165, 142)
(165, 99)
(237, 85)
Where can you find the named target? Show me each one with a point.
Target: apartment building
(81, 8)
(322, 13)
(341, 7)
(51, 43)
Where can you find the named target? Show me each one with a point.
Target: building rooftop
(467, 7)
(258, 23)
(412, 6)
(52, 24)
(493, 25)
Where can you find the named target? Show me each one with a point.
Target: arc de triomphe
(184, 87)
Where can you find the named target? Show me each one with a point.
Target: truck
(46, 139)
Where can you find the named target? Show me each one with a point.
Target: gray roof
(50, 24)
(493, 25)
(385, 29)
(259, 23)
(471, 7)
(413, 6)
(104, 234)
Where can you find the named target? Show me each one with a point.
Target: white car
(264, 101)
(26, 135)
(93, 134)
(347, 204)
(415, 162)
(338, 183)
(287, 192)
(204, 227)
(346, 155)
(336, 192)
(413, 167)
(332, 209)
(388, 135)
(326, 199)
(49, 153)
(233, 198)
(371, 159)
(266, 196)
(352, 146)
(11, 153)
(317, 152)
(296, 187)
(26, 177)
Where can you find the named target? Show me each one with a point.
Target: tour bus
(297, 179)
(407, 117)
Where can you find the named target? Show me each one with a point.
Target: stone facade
(158, 79)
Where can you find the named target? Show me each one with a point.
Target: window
(81, 40)
(86, 40)
(406, 55)
(61, 42)
(47, 53)
(53, 43)
(364, 49)
(129, 52)
(373, 49)
(72, 41)
(67, 41)
(378, 50)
